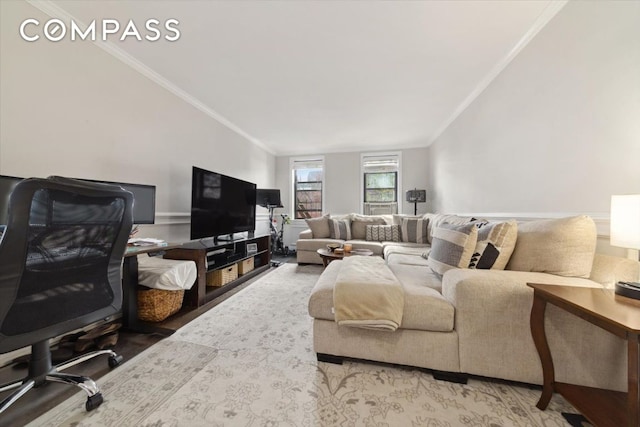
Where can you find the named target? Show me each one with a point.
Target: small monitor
(144, 206)
(266, 197)
(144, 200)
(7, 184)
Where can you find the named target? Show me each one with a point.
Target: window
(380, 187)
(308, 179)
(380, 183)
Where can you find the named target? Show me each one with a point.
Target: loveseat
(476, 321)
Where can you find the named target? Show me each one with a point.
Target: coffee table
(328, 256)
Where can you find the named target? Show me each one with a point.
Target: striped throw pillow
(340, 229)
(415, 230)
(452, 247)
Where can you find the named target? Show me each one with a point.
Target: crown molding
(55, 11)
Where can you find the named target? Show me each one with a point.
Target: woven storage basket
(155, 305)
(222, 276)
(245, 266)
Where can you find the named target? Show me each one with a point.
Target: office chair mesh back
(64, 247)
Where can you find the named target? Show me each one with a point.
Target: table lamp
(416, 196)
(625, 233)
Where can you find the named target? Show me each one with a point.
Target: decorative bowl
(333, 246)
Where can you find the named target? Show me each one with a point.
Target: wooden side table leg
(633, 394)
(540, 340)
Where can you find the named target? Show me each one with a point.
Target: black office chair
(60, 270)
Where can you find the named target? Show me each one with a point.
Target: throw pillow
(383, 233)
(452, 247)
(435, 220)
(565, 246)
(359, 225)
(415, 230)
(319, 226)
(397, 218)
(340, 229)
(495, 245)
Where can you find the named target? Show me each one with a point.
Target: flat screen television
(221, 205)
(144, 200)
(266, 197)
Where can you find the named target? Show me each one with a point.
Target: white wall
(72, 109)
(415, 174)
(558, 131)
(342, 184)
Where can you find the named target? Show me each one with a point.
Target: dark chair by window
(60, 270)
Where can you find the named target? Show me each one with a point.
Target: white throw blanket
(368, 295)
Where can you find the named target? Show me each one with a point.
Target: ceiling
(303, 77)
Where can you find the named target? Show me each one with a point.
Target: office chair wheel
(93, 402)
(115, 361)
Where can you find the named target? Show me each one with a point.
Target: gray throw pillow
(415, 230)
(383, 233)
(452, 247)
(340, 229)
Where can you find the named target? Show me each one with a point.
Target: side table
(615, 314)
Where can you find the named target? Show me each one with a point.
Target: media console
(213, 257)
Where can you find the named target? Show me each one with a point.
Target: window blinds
(381, 163)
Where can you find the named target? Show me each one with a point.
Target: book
(146, 241)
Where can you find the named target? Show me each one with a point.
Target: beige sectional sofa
(473, 321)
(318, 236)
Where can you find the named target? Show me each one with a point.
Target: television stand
(227, 238)
(215, 256)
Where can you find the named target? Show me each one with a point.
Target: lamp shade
(417, 196)
(625, 221)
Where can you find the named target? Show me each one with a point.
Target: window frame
(389, 155)
(394, 188)
(293, 162)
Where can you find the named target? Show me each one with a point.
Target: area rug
(249, 362)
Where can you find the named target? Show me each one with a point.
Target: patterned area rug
(250, 362)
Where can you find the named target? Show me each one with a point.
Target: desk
(130, 319)
(617, 315)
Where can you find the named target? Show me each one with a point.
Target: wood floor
(40, 400)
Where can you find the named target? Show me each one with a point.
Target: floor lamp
(416, 196)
